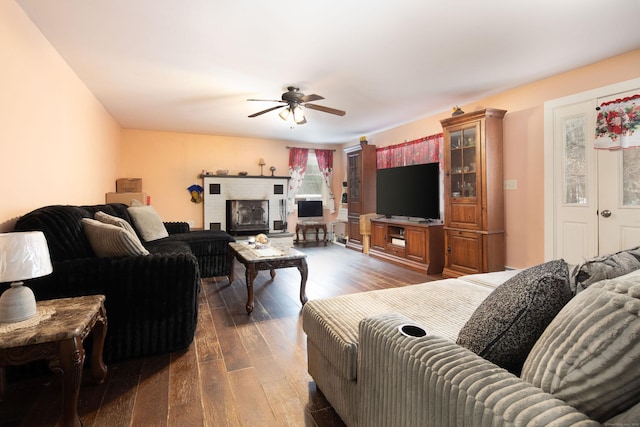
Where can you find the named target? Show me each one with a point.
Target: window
(312, 184)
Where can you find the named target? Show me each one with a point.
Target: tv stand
(418, 246)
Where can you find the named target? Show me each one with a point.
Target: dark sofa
(151, 300)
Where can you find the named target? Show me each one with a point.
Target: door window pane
(631, 177)
(575, 164)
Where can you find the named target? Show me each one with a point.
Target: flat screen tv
(310, 209)
(409, 191)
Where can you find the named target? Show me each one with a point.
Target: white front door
(619, 199)
(595, 194)
(576, 193)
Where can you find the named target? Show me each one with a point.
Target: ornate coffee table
(270, 258)
(58, 338)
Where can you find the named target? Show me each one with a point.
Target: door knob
(606, 213)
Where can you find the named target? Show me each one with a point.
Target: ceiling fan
(294, 100)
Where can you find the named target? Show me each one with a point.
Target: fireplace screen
(247, 216)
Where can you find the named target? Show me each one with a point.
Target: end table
(59, 339)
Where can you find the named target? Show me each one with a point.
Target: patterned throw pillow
(509, 321)
(604, 267)
(148, 222)
(589, 355)
(108, 240)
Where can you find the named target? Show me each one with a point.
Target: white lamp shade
(24, 256)
(298, 115)
(284, 114)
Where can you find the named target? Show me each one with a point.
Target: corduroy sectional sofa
(552, 345)
(148, 270)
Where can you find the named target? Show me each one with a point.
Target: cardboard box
(129, 185)
(126, 198)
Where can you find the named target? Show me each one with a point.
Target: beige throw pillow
(114, 220)
(109, 240)
(589, 355)
(148, 222)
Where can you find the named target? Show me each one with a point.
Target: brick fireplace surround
(218, 189)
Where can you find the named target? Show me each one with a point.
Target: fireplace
(247, 216)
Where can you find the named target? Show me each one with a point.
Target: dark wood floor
(239, 371)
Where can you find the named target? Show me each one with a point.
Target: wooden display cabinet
(418, 246)
(361, 181)
(473, 193)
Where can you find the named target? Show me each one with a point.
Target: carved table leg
(303, 282)
(3, 383)
(250, 274)
(230, 257)
(98, 368)
(69, 368)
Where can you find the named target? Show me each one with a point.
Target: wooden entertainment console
(419, 246)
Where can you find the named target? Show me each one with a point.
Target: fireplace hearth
(246, 217)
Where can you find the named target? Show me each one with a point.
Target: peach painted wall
(59, 145)
(170, 162)
(524, 145)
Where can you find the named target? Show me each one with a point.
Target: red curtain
(416, 152)
(325, 164)
(297, 168)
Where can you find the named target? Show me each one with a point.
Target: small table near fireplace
(269, 258)
(307, 226)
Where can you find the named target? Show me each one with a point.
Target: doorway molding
(549, 158)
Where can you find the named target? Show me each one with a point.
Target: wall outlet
(510, 184)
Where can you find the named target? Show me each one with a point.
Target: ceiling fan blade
(266, 100)
(267, 110)
(311, 98)
(326, 109)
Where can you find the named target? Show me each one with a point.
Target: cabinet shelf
(412, 245)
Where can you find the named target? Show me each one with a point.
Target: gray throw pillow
(589, 354)
(108, 240)
(504, 328)
(604, 267)
(148, 222)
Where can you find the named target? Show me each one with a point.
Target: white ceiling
(190, 65)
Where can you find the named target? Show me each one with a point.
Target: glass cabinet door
(463, 167)
(354, 177)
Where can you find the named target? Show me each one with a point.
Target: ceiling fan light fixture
(284, 114)
(298, 115)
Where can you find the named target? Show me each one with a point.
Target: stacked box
(129, 185)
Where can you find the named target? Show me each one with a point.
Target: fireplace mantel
(220, 188)
(210, 175)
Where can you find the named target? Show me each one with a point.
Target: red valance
(416, 152)
(617, 124)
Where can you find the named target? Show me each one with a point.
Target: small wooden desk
(316, 226)
(254, 263)
(59, 339)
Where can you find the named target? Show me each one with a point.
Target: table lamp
(23, 255)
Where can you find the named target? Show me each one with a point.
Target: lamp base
(17, 304)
